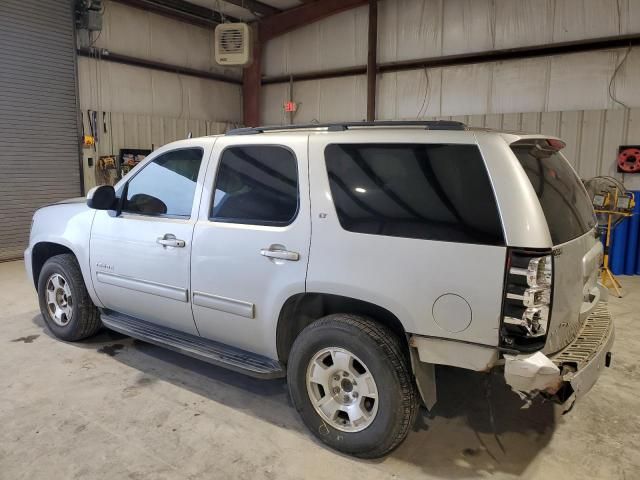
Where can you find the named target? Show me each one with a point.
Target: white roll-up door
(39, 136)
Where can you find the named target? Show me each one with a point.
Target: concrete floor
(114, 408)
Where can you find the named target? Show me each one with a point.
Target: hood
(71, 200)
(66, 201)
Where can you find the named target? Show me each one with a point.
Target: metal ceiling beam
(255, 7)
(564, 48)
(276, 25)
(108, 56)
(180, 10)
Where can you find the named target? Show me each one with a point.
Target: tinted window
(256, 185)
(566, 206)
(434, 191)
(166, 185)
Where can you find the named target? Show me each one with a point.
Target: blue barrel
(631, 258)
(638, 264)
(619, 247)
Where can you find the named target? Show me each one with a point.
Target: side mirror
(102, 198)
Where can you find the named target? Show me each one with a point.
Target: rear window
(564, 201)
(423, 191)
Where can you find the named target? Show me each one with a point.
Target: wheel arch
(302, 309)
(43, 251)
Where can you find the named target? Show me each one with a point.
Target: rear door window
(423, 191)
(565, 203)
(256, 185)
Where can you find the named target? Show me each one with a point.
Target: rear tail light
(528, 292)
(539, 271)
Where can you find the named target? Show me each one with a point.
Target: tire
(61, 285)
(372, 350)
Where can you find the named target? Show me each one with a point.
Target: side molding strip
(224, 304)
(153, 288)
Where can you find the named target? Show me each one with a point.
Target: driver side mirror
(102, 198)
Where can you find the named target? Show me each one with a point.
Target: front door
(251, 241)
(140, 258)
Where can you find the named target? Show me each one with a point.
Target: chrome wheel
(342, 389)
(59, 299)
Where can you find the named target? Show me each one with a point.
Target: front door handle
(170, 240)
(280, 254)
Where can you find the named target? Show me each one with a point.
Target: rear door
(251, 240)
(140, 259)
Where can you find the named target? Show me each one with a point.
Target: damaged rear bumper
(571, 372)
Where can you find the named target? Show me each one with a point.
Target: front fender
(68, 225)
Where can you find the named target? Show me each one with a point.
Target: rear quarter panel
(523, 220)
(406, 276)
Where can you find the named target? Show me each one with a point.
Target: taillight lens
(527, 300)
(539, 271)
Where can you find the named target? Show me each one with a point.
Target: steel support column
(274, 26)
(372, 58)
(252, 84)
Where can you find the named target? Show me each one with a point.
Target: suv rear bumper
(570, 373)
(582, 361)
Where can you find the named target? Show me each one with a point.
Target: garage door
(39, 155)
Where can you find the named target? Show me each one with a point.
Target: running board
(207, 350)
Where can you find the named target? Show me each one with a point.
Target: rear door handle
(280, 254)
(170, 240)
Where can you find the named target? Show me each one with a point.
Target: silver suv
(350, 258)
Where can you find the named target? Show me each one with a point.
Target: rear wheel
(350, 381)
(65, 304)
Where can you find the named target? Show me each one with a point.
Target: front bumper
(570, 373)
(27, 265)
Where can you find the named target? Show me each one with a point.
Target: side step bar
(207, 350)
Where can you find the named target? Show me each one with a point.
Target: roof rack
(342, 126)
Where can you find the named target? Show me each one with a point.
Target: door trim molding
(224, 304)
(145, 286)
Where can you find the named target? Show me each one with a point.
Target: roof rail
(342, 126)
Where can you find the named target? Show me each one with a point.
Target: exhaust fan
(233, 44)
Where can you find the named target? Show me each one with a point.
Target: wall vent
(233, 44)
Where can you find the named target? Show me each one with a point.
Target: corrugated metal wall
(114, 87)
(572, 96)
(130, 130)
(411, 29)
(141, 34)
(147, 108)
(565, 82)
(39, 154)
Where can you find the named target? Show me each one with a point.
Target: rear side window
(166, 185)
(564, 201)
(256, 185)
(424, 191)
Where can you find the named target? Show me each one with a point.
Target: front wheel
(65, 304)
(351, 383)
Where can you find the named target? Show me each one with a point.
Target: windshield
(566, 206)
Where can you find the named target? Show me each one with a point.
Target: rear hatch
(577, 250)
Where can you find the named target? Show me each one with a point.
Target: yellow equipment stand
(608, 278)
